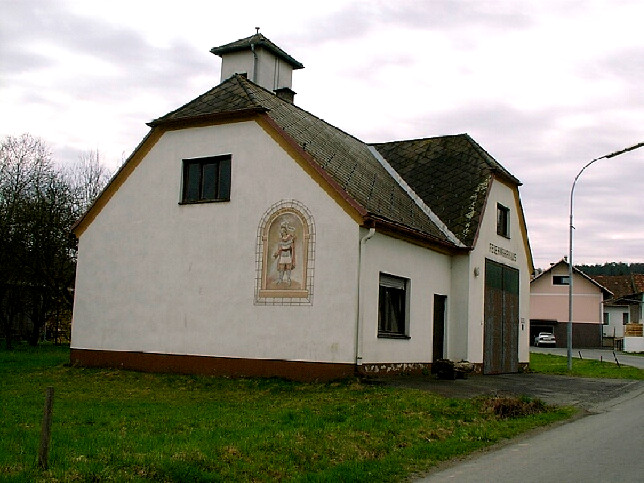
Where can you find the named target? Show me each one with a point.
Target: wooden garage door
(501, 330)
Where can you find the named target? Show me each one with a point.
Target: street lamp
(572, 191)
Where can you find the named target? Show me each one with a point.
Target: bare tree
(25, 162)
(38, 207)
(87, 178)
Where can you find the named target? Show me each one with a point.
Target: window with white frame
(393, 307)
(503, 220)
(206, 179)
(561, 280)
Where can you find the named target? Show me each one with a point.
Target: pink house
(549, 294)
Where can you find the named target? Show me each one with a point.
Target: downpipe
(360, 308)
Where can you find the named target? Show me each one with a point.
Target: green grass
(551, 364)
(127, 426)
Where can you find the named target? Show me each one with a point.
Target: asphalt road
(605, 446)
(599, 354)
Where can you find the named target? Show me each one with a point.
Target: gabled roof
(346, 159)
(257, 40)
(564, 261)
(451, 174)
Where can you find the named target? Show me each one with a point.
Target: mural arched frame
(285, 255)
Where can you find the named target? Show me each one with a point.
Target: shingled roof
(346, 159)
(451, 174)
(622, 285)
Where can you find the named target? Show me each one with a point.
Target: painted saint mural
(285, 255)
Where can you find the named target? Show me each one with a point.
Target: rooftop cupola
(262, 61)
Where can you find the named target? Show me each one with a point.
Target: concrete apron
(585, 393)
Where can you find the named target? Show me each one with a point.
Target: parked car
(545, 338)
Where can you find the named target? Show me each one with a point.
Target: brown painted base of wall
(214, 366)
(233, 367)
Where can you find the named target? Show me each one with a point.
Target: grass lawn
(551, 364)
(127, 426)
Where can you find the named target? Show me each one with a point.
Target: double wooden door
(501, 329)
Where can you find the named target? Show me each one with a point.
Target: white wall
(272, 73)
(633, 344)
(429, 273)
(515, 244)
(615, 325)
(157, 276)
(460, 309)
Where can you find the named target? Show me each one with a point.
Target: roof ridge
(289, 104)
(417, 199)
(251, 96)
(427, 138)
(492, 162)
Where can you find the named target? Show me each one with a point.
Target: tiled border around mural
(285, 255)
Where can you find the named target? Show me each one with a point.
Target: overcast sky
(543, 86)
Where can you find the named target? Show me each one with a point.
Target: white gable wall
(157, 276)
(474, 296)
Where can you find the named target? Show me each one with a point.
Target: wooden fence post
(45, 435)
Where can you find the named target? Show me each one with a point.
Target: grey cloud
(139, 66)
(357, 18)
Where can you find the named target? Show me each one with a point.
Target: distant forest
(612, 268)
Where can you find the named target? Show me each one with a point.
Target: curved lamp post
(572, 192)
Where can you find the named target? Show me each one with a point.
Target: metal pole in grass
(45, 435)
(571, 227)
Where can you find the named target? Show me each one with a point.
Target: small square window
(625, 318)
(502, 220)
(606, 318)
(393, 307)
(561, 280)
(206, 179)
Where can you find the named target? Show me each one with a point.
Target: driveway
(585, 393)
(604, 446)
(599, 354)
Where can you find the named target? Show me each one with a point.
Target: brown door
(501, 330)
(439, 327)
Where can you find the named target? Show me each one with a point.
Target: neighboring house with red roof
(549, 306)
(625, 307)
(246, 236)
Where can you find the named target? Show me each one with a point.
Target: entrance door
(501, 330)
(439, 327)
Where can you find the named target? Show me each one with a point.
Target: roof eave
(205, 119)
(417, 237)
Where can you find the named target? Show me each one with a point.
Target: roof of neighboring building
(257, 40)
(622, 285)
(451, 174)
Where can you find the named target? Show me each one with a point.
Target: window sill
(199, 202)
(385, 335)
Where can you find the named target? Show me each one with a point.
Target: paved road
(606, 447)
(603, 354)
